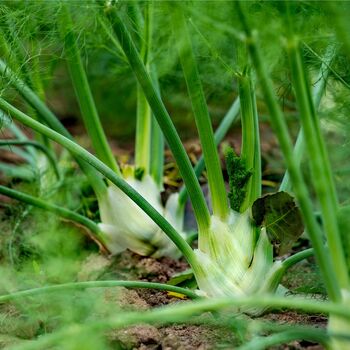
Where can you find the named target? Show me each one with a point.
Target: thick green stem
(157, 139)
(157, 147)
(50, 119)
(250, 150)
(95, 284)
(143, 132)
(298, 152)
(319, 162)
(149, 148)
(181, 313)
(84, 155)
(144, 114)
(60, 211)
(224, 126)
(197, 198)
(37, 145)
(317, 93)
(297, 257)
(328, 270)
(200, 110)
(83, 92)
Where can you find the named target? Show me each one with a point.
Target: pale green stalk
(83, 92)
(154, 139)
(317, 93)
(144, 115)
(224, 126)
(323, 183)
(250, 150)
(95, 284)
(50, 119)
(157, 147)
(84, 155)
(201, 114)
(327, 268)
(319, 162)
(58, 210)
(297, 257)
(143, 132)
(197, 198)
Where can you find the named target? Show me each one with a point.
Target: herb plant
(234, 264)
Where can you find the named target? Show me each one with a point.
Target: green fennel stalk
(327, 267)
(200, 111)
(157, 148)
(250, 150)
(324, 185)
(95, 284)
(319, 162)
(224, 126)
(317, 93)
(144, 115)
(197, 198)
(83, 92)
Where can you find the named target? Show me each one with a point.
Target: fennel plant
(227, 237)
(234, 259)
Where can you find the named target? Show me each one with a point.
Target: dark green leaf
(139, 172)
(281, 217)
(238, 178)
